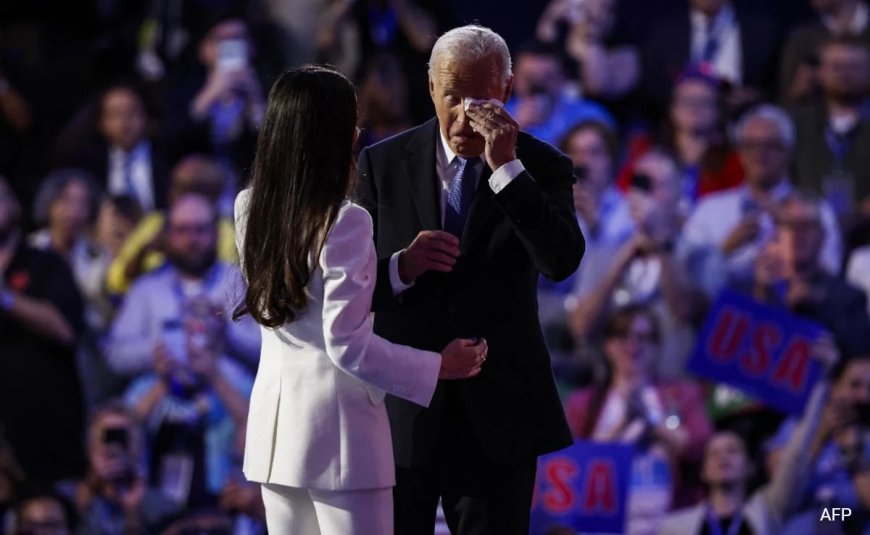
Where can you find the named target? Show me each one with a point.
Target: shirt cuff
(395, 280)
(504, 175)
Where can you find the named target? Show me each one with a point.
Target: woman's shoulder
(352, 217)
(242, 200)
(348, 205)
(348, 236)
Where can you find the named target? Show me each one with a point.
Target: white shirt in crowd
(615, 224)
(140, 185)
(717, 215)
(727, 61)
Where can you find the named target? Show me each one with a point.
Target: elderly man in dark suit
(467, 212)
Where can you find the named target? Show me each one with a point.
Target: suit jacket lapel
(422, 177)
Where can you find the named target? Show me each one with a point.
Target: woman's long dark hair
(301, 174)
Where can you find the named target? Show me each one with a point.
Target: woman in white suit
(318, 438)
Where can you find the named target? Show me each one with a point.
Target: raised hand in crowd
(226, 85)
(590, 17)
(743, 234)
(116, 478)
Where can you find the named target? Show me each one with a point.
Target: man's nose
(461, 116)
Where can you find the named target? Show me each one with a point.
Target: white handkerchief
(468, 101)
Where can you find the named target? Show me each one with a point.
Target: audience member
(296, 27)
(605, 221)
(43, 514)
(837, 454)
(115, 497)
(151, 319)
(337, 37)
(608, 69)
(124, 159)
(216, 107)
(210, 522)
(666, 421)
(788, 273)
(243, 500)
(141, 251)
(798, 77)
(116, 219)
(643, 269)
(541, 102)
(40, 321)
(353, 33)
(726, 230)
(696, 133)
(383, 100)
(727, 471)
(601, 210)
(173, 329)
(728, 40)
(66, 207)
(169, 34)
(833, 131)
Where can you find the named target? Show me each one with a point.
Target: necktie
(715, 27)
(129, 184)
(460, 195)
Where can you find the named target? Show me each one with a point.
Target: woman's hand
(462, 359)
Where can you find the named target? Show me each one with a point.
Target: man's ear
(507, 89)
(432, 89)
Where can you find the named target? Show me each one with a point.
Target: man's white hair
(468, 44)
(772, 114)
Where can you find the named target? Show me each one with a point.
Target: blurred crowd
(717, 145)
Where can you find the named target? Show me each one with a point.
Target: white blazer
(317, 418)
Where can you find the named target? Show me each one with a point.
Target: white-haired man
(726, 231)
(468, 211)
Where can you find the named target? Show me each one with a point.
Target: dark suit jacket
(813, 158)
(667, 52)
(95, 160)
(512, 407)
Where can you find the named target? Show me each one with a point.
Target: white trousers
(294, 511)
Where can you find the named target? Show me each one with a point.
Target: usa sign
(583, 487)
(762, 350)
